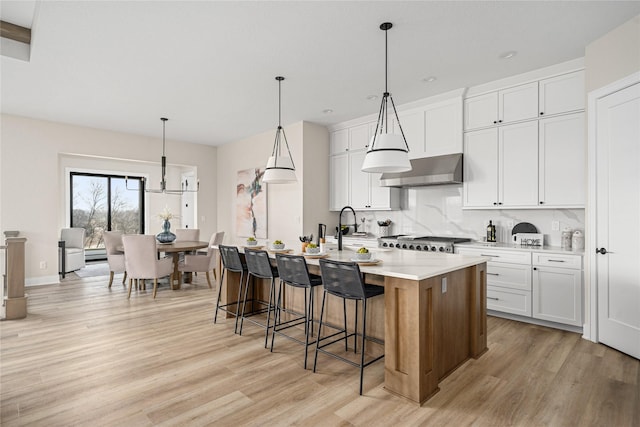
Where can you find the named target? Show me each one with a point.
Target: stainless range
(421, 243)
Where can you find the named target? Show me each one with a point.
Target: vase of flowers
(166, 236)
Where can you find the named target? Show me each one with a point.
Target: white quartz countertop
(511, 246)
(411, 265)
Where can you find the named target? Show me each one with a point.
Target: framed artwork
(251, 204)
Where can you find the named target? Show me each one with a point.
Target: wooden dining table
(175, 248)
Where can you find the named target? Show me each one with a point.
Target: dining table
(175, 248)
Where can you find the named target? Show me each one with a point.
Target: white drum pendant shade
(389, 155)
(281, 173)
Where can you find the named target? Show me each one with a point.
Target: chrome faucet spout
(355, 222)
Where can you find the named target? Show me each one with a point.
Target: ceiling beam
(15, 32)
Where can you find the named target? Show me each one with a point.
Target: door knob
(602, 251)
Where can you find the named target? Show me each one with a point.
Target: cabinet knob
(541, 202)
(535, 268)
(499, 121)
(500, 203)
(541, 113)
(495, 121)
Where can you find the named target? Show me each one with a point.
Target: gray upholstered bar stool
(231, 261)
(259, 266)
(294, 272)
(344, 280)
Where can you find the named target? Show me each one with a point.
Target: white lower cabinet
(539, 285)
(557, 288)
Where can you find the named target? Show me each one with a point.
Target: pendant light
(388, 152)
(184, 187)
(280, 168)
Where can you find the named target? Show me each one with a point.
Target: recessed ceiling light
(372, 97)
(429, 79)
(327, 111)
(508, 55)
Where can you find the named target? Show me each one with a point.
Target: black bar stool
(259, 266)
(344, 280)
(294, 272)
(231, 261)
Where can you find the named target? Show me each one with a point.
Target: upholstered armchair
(115, 257)
(188, 234)
(140, 260)
(71, 250)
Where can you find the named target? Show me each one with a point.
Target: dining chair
(206, 262)
(115, 257)
(344, 280)
(187, 234)
(140, 259)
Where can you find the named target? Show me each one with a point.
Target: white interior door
(618, 219)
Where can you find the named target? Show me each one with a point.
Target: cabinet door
(359, 180)
(562, 161)
(481, 168)
(359, 137)
(557, 295)
(339, 141)
(518, 176)
(481, 111)
(413, 127)
(562, 94)
(443, 128)
(518, 103)
(339, 181)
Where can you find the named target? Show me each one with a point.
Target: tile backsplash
(438, 211)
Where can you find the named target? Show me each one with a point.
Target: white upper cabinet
(338, 181)
(562, 161)
(504, 106)
(480, 169)
(359, 137)
(413, 128)
(518, 162)
(443, 128)
(339, 141)
(562, 94)
(518, 103)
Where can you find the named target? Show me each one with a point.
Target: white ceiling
(210, 66)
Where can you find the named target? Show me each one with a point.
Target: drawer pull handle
(556, 260)
(492, 274)
(494, 256)
(495, 299)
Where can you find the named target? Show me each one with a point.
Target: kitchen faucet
(355, 225)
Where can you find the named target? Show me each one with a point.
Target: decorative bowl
(363, 256)
(252, 242)
(278, 246)
(315, 250)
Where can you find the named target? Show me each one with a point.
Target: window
(102, 203)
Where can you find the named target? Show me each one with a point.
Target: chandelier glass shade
(387, 152)
(280, 168)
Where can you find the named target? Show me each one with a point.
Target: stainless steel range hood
(438, 170)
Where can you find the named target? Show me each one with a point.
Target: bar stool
(230, 262)
(294, 272)
(259, 266)
(344, 280)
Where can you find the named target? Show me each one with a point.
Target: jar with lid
(567, 235)
(577, 240)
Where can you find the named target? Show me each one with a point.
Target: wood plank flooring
(86, 355)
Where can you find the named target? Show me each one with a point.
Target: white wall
(34, 155)
(292, 209)
(614, 56)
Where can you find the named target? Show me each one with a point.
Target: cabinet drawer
(511, 276)
(513, 257)
(557, 260)
(509, 300)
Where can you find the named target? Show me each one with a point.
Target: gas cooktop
(421, 243)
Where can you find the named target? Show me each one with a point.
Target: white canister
(577, 241)
(567, 236)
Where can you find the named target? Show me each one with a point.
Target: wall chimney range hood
(438, 170)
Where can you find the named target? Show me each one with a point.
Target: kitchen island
(432, 320)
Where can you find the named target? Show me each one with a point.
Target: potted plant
(278, 245)
(363, 254)
(251, 241)
(312, 248)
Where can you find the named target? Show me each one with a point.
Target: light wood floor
(85, 355)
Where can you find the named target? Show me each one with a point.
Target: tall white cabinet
(524, 146)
